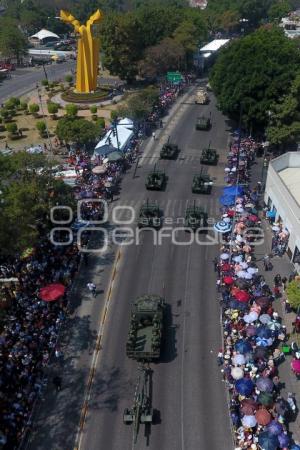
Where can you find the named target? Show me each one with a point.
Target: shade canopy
(44, 34)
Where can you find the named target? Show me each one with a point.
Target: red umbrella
(242, 296)
(230, 213)
(263, 416)
(253, 218)
(52, 292)
(248, 406)
(228, 280)
(225, 267)
(295, 365)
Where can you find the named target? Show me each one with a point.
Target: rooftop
(291, 178)
(213, 46)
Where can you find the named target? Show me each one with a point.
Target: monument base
(90, 97)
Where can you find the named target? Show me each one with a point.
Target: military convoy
(146, 323)
(149, 216)
(156, 180)
(209, 156)
(195, 218)
(203, 123)
(202, 184)
(201, 97)
(169, 151)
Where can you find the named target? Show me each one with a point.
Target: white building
(291, 25)
(206, 55)
(282, 195)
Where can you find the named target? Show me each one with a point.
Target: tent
(233, 190)
(127, 123)
(114, 141)
(44, 36)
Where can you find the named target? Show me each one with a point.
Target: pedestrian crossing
(125, 212)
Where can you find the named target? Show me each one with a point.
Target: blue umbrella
(243, 346)
(244, 386)
(295, 447)
(271, 214)
(263, 342)
(284, 440)
(227, 200)
(264, 332)
(222, 227)
(265, 384)
(268, 441)
(275, 428)
(234, 304)
(233, 190)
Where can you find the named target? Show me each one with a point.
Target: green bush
(12, 128)
(93, 109)
(12, 103)
(34, 108)
(101, 122)
(293, 294)
(23, 105)
(45, 83)
(113, 114)
(71, 110)
(41, 127)
(4, 113)
(52, 108)
(69, 79)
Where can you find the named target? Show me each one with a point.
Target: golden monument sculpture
(88, 48)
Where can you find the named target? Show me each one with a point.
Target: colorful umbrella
(237, 373)
(275, 428)
(242, 296)
(251, 317)
(264, 332)
(253, 218)
(228, 280)
(248, 406)
(265, 398)
(295, 365)
(244, 386)
(52, 292)
(238, 360)
(222, 227)
(263, 416)
(249, 421)
(243, 347)
(265, 384)
(225, 267)
(267, 441)
(264, 318)
(224, 256)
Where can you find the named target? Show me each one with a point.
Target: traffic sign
(174, 77)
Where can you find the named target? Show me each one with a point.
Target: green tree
(69, 79)
(100, 122)
(278, 10)
(34, 108)
(293, 294)
(140, 105)
(251, 72)
(12, 128)
(114, 114)
(12, 103)
(41, 127)
(71, 110)
(13, 43)
(93, 109)
(79, 131)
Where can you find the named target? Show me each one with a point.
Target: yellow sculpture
(88, 48)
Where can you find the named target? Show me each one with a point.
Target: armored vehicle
(195, 218)
(203, 123)
(202, 184)
(169, 151)
(209, 156)
(201, 97)
(145, 330)
(156, 180)
(149, 216)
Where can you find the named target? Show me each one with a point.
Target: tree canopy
(293, 294)
(255, 71)
(77, 130)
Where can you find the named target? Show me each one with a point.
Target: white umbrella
(233, 169)
(242, 274)
(252, 270)
(264, 318)
(227, 220)
(222, 227)
(227, 169)
(248, 276)
(274, 326)
(275, 228)
(238, 258)
(251, 317)
(224, 256)
(237, 373)
(249, 421)
(244, 265)
(238, 360)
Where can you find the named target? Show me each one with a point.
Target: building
(291, 24)
(282, 196)
(205, 56)
(202, 4)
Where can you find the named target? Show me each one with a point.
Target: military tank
(209, 156)
(203, 123)
(202, 184)
(145, 330)
(195, 218)
(169, 151)
(149, 215)
(156, 180)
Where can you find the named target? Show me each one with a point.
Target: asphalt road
(188, 393)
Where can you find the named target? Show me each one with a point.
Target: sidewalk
(282, 266)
